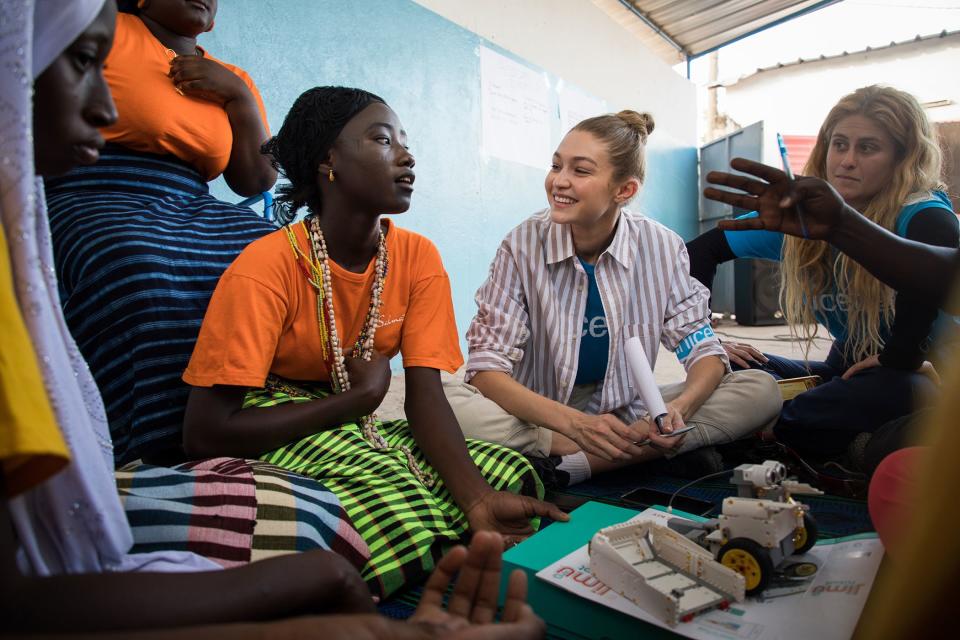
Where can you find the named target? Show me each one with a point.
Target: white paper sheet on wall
(576, 106)
(515, 111)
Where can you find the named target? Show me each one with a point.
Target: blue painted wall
(428, 69)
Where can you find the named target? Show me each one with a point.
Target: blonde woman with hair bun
(877, 149)
(546, 373)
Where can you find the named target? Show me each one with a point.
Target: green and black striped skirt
(406, 525)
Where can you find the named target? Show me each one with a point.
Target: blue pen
(787, 170)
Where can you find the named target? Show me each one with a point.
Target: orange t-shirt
(263, 317)
(154, 118)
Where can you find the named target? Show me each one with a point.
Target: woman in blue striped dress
(139, 241)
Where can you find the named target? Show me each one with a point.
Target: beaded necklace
(318, 275)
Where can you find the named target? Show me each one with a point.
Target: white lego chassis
(662, 571)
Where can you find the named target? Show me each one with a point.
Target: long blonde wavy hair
(810, 268)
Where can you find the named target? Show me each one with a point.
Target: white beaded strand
(364, 346)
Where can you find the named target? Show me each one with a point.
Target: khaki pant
(743, 403)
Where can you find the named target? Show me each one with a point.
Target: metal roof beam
(809, 9)
(655, 27)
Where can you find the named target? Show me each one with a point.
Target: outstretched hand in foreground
(472, 606)
(469, 614)
(804, 207)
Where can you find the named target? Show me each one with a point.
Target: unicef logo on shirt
(829, 302)
(595, 327)
(685, 348)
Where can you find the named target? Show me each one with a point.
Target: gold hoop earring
(330, 176)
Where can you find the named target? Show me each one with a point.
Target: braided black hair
(304, 141)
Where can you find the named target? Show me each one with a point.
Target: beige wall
(796, 98)
(949, 133)
(579, 42)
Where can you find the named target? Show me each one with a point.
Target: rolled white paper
(643, 378)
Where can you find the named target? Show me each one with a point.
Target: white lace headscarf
(74, 522)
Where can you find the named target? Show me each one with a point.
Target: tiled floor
(775, 340)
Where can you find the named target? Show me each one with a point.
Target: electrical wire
(780, 337)
(693, 482)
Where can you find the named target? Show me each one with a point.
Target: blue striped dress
(139, 244)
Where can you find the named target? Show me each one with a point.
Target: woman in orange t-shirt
(293, 355)
(138, 239)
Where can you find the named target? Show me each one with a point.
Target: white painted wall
(796, 99)
(579, 42)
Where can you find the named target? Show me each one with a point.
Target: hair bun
(642, 123)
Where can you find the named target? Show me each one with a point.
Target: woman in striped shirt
(546, 373)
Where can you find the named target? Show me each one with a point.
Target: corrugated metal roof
(945, 36)
(684, 29)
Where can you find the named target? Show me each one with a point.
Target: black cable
(693, 482)
(781, 337)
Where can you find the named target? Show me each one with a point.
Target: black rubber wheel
(750, 560)
(808, 535)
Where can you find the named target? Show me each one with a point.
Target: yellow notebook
(792, 387)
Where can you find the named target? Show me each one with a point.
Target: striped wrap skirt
(234, 511)
(406, 525)
(139, 245)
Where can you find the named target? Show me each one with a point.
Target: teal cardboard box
(566, 615)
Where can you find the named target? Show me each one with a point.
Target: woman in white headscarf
(65, 564)
(73, 522)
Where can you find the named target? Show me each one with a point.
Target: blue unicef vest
(830, 310)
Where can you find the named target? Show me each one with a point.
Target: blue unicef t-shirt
(594, 338)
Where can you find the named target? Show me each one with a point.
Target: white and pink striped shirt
(531, 308)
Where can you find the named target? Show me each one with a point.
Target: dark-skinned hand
(200, 77)
(509, 514)
(776, 198)
(369, 378)
(470, 611)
